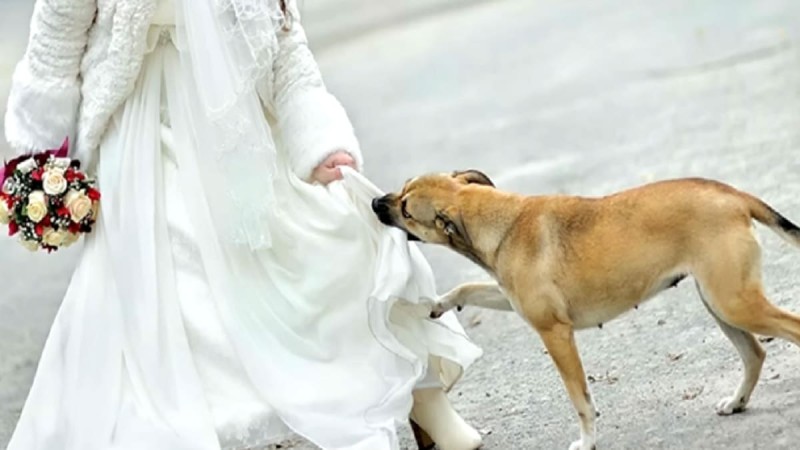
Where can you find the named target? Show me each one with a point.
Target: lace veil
(231, 45)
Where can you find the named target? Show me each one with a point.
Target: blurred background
(582, 97)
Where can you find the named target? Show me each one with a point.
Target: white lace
(249, 26)
(230, 46)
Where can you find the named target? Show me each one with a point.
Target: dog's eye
(403, 209)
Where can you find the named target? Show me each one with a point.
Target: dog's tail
(783, 227)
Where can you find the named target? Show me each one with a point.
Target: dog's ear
(473, 177)
(452, 226)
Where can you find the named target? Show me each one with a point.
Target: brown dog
(568, 263)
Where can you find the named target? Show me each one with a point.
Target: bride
(236, 289)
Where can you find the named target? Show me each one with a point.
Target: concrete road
(584, 97)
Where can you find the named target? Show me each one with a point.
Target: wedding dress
(328, 339)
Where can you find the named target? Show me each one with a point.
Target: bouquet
(46, 200)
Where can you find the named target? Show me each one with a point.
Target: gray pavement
(583, 97)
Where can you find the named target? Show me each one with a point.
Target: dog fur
(566, 263)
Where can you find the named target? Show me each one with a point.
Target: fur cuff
(40, 113)
(314, 125)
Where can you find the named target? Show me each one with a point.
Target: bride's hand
(329, 170)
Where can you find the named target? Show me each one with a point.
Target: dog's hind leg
(767, 319)
(752, 356)
(750, 312)
(730, 283)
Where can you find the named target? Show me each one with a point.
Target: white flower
(27, 166)
(61, 163)
(30, 245)
(37, 207)
(4, 213)
(54, 182)
(8, 186)
(79, 205)
(70, 239)
(53, 238)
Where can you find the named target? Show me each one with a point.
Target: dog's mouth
(382, 209)
(412, 238)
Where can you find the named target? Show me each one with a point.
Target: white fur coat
(83, 59)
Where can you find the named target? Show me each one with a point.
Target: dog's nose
(379, 205)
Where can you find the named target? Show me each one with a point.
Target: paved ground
(584, 97)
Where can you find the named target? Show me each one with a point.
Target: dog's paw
(731, 405)
(442, 307)
(579, 445)
(438, 310)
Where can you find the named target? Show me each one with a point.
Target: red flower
(39, 229)
(74, 227)
(93, 194)
(64, 150)
(63, 212)
(37, 174)
(13, 228)
(47, 221)
(71, 175)
(11, 166)
(42, 158)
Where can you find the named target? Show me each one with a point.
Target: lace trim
(249, 434)
(232, 127)
(250, 27)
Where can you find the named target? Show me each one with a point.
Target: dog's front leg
(483, 294)
(559, 339)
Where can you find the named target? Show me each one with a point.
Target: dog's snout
(380, 205)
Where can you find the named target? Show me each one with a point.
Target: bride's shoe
(437, 422)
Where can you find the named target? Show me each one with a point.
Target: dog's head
(427, 208)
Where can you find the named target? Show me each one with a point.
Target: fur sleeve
(312, 123)
(45, 87)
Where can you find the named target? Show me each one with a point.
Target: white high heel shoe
(434, 420)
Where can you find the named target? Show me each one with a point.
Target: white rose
(37, 207)
(70, 239)
(62, 163)
(4, 213)
(54, 182)
(30, 245)
(79, 205)
(53, 238)
(27, 166)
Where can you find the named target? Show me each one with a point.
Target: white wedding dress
(328, 340)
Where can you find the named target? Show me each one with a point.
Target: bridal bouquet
(46, 200)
